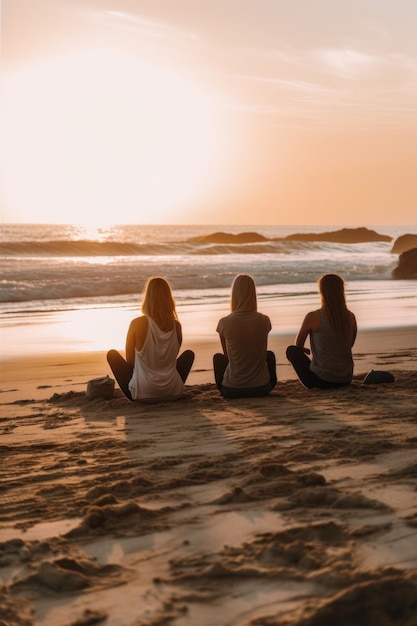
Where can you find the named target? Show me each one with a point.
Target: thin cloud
(326, 83)
(145, 26)
(291, 85)
(283, 80)
(346, 63)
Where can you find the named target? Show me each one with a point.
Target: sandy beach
(199, 141)
(298, 509)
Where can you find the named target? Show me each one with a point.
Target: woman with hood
(246, 368)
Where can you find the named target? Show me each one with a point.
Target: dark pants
(219, 365)
(123, 371)
(301, 363)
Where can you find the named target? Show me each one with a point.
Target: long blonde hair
(158, 302)
(333, 302)
(243, 294)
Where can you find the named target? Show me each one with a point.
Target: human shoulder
(312, 320)
(264, 316)
(222, 321)
(264, 320)
(231, 317)
(178, 330)
(313, 315)
(139, 323)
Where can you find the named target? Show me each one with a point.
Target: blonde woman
(246, 368)
(332, 331)
(151, 370)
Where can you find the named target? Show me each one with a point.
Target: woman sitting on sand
(152, 370)
(246, 368)
(332, 330)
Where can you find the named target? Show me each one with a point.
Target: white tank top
(155, 375)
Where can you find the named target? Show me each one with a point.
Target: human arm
(220, 330)
(135, 337)
(310, 324)
(223, 343)
(178, 330)
(354, 329)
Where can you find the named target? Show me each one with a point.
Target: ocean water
(71, 288)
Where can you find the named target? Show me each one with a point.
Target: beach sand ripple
(298, 509)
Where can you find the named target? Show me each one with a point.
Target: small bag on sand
(102, 387)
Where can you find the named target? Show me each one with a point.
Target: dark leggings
(123, 371)
(219, 365)
(301, 363)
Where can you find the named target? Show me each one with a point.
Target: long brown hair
(243, 294)
(333, 302)
(158, 302)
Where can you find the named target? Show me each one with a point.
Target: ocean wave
(59, 268)
(87, 248)
(24, 280)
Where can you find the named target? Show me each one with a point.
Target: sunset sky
(209, 111)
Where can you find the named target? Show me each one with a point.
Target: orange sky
(210, 111)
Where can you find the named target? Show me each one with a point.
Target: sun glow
(105, 138)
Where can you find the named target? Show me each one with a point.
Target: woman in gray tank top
(332, 331)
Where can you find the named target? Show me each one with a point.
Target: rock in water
(407, 265)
